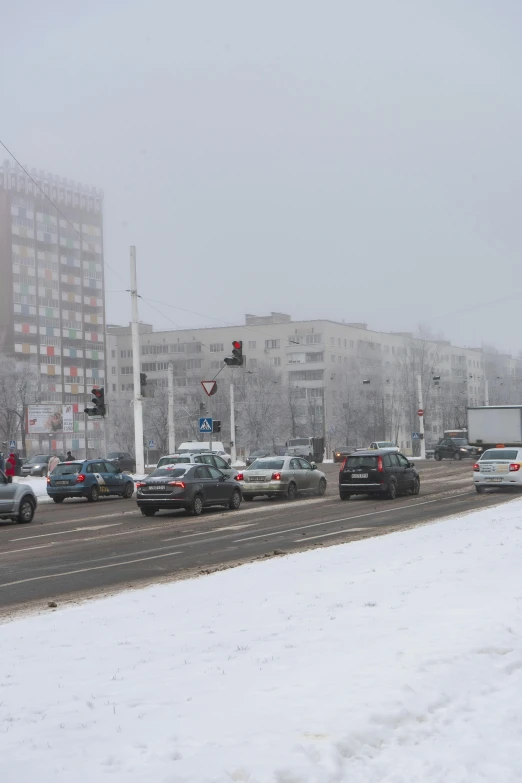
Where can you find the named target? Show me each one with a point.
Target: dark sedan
(341, 453)
(259, 454)
(455, 448)
(123, 460)
(191, 487)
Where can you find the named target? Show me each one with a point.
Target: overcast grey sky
(350, 160)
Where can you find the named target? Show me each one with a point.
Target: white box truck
(495, 425)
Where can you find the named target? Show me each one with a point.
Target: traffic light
(216, 426)
(98, 401)
(143, 383)
(237, 359)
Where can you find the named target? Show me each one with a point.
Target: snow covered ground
(38, 485)
(394, 659)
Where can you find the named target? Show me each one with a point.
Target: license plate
(62, 482)
(258, 478)
(493, 479)
(359, 475)
(159, 488)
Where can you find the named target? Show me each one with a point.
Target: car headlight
(465, 450)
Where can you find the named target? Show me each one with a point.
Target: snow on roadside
(397, 659)
(37, 484)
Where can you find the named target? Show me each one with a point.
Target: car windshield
(499, 454)
(38, 459)
(361, 462)
(170, 472)
(298, 442)
(67, 468)
(172, 461)
(267, 464)
(386, 444)
(114, 454)
(259, 453)
(460, 441)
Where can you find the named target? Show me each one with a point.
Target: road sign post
(420, 414)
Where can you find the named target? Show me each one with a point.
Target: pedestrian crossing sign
(205, 424)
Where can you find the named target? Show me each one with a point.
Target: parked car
(88, 478)
(455, 448)
(377, 471)
(281, 476)
(341, 453)
(188, 486)
(384, 444)
(17, 501)
(36, 466)
(203, 458)
(258, 455)
(498, 467)
(123, 459)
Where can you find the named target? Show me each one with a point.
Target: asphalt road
(92, 549)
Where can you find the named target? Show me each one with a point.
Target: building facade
(52, 308)
(345, 381)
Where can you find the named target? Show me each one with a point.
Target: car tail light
(343, 465)
(48, 480)
(177, 484)
(140, 484)
(476, 467)
(276, 477)
(499, 446)
(240, 477)
(80, 478)
(514, 467)
(379, 464)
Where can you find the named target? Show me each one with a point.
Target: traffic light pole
(171, 429)
(421, 419)
(232, 425)
(138, 400)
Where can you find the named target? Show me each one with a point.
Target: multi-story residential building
(320, 365)
(52, 309)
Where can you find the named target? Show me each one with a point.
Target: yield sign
(210, 387)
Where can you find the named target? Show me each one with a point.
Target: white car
(384, 444)
(500, 467)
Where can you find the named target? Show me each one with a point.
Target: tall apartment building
(319, 363)
(52, 309)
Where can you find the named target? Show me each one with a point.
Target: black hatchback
(192, 487)
(380, 472)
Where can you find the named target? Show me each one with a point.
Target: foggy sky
(334, 159)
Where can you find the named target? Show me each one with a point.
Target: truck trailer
(495, 425)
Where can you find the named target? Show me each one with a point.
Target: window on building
(314, 339)
(272, 344)
(113, 354)
(216, 347)
(332, 357)
(252, 344)
(215, 365)
(332, 341)
(275, 361)
(113, 370)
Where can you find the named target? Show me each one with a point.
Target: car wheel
(321, 487)
(416, 487)
(93, 494)
(392, 490)
(58, 500)
(480, 489)
(128, 492)
(248, 497)
(437, 456)
(344, 495)
(26, 512)
(457, 455)
(235, 500)
(291, 492)
(148, 512)
(196, 506)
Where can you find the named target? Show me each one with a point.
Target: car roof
(186, 454)
(370, 452)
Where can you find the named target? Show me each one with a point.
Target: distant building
(52, 309)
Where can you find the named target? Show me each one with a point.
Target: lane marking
(26, 549)
(87, 519)
(344, 519)
(335, 533)
(84, 570)
(210, 532)
(66, 532)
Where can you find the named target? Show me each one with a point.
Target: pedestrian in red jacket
(10, 467)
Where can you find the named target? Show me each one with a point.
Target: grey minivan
(17, 501)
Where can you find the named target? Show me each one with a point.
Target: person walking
(2, 461)
(10, 467)
(69, 457)
(53, 462)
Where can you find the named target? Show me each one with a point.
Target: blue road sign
(205, 424)
(415, 435)
(12, 444)
(151, 444)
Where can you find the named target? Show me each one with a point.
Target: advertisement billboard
(48, 419)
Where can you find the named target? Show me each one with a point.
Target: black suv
(455, 448)
(123, 460)
(377, 471)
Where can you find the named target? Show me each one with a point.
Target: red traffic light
(97, 392)
(237, 344)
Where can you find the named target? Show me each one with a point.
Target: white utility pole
(233, 453)
(172, 432)
(486, 391)
(421, 419)
(136, 367)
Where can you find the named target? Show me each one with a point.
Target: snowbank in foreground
(38, 485)
(393, 659)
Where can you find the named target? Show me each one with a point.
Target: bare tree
(18, 388)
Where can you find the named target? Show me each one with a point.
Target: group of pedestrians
(10, 466)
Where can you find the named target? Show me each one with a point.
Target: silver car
(17, 501)
(281, 477)
(199, 458)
